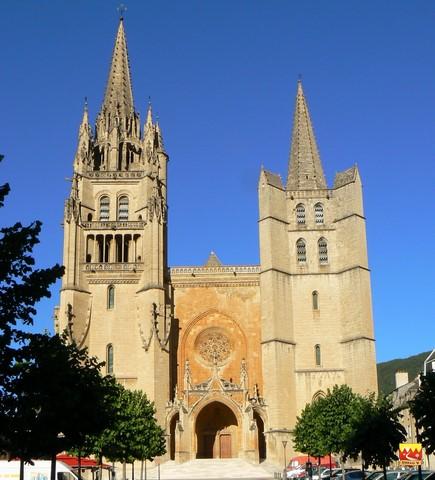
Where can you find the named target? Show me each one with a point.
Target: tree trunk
(21, 469)
(124, 470)
(132, 470)
(141, 469)
(330, 465)
(53, 467)
(384, 469)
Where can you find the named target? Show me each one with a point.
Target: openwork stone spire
(305, 168)
(118, 91)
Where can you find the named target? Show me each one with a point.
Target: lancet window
(109, 359)
(301, 251)
(300, 214)
(323, 250)
(123, 208)
(318, 355)
(104, 208)
(315, 296)
(110, 297)
(318, 213)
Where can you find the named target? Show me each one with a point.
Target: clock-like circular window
(213, 346)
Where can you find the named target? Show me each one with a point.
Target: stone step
(210, 469)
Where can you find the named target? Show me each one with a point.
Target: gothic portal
(230, 354)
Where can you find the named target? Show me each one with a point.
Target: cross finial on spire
(121, 9)
(86, 104)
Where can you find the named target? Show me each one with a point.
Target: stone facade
(229, 354)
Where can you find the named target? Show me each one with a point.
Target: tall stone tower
(317, 327)
(115, 297)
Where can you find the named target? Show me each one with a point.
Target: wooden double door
(223, 447)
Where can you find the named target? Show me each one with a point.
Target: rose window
(214, 346)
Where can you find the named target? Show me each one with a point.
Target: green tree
(336, 418)
(21, 287)
(306, 435)
(133, 434)
(377, 432)
(57, 397)
(422, 409)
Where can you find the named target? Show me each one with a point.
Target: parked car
(351, 475)
(413, 475)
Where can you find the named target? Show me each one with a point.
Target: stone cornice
(318, 370)
(349, 216)
(356, 338)
(271, 217)
(204, 284)
(278, 340)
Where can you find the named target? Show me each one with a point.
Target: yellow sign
(410, 453)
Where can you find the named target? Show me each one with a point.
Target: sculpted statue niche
(213, 346)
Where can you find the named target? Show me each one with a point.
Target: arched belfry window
(318, 213)
(300, 214)
(315, 296)
(301, 251)
(110, 297)
(317, 355)
(123, 208)
(323, 250)
(104, 208)
(109, 359)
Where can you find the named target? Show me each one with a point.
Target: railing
(114, 174)
(215, 269)
(114, 267)
(120, 225)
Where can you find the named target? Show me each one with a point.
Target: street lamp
(284, 445)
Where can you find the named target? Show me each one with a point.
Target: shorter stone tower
(317, 328)
(115, 297)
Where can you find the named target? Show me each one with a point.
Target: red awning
(73, 462)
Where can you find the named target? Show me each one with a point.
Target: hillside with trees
(386, 370)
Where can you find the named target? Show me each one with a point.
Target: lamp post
(284, 445)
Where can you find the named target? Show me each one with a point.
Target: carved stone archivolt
(213, 346)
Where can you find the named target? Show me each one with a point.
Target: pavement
(211, 469)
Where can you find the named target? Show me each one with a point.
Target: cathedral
(229, 354)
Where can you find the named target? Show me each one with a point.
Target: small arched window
(318, 213)
(109, 359)
(315, 296)
(323, 250)
(123, 208)
(104, 208)
(318, 395)
(110, 297)
(301, 251)
(300, 214)
(317, 354)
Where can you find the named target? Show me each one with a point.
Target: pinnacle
(118, 91)
(305, 167)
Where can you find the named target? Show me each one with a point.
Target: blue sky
(222, 79)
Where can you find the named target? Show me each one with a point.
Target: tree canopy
(133, 433)
(348, 424)
(376, 433)
(423, 410)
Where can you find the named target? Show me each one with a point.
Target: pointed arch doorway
(216, 430)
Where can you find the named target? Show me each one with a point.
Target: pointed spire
(305, 168)
(149, 120)
(118, 90)
(213, 260)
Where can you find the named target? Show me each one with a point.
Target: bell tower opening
(216, 431)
